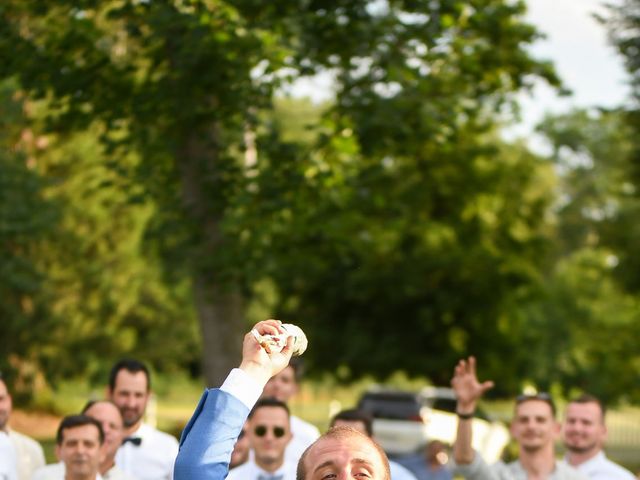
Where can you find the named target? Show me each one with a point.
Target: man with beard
(269, 432)
(29, 455)
(79, 442)
(584, 434)
(147, 453)
(533, 427)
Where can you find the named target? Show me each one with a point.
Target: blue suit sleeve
(208, 439)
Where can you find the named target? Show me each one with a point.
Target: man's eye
(328, 475)
(363, 474)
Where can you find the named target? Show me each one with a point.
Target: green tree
(418, 86)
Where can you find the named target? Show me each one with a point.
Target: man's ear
(58, 452)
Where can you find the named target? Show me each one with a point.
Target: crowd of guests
(244, 430)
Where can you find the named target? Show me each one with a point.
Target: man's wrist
(465, 415)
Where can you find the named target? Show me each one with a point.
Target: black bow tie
(135, 440)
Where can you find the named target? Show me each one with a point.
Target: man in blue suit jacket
(207, 440)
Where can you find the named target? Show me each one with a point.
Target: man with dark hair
(207, 440)
(284, 387)
(533, 427)
(584, 433)
(28, 453)
(79, 441)
(363, 422)
(269, 432)
(147, 453)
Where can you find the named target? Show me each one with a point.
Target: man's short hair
(130, 365)
(588, 398)
(355, 415)
(91, 403)
(269, 402)
(540, 396)
(73, 421)
(341, 433)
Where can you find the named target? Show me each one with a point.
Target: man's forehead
(81, 432)
(104, 411)
(587, 409)
(533, 407)
(130, 379)
(356, 448)
(270, 414)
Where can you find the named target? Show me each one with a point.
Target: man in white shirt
(283, 387)
(28, 453)
(534, 428)
(107, 413)
(584, 433)
(79, 442)
(147, 453)
(269, 432)
(363, 422)
(7, 459)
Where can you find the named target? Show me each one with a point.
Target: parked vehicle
(405, 421)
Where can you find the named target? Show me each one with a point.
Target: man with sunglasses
(269, 432)
(534, 428)
(208, 438)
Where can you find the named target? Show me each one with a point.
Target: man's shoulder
(567, 472)
(241, 471)
(24, 440)
(603, 468)
(50, 472)
(301, 428)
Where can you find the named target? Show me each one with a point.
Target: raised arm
(208, 439)
(468, 391)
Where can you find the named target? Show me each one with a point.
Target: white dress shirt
(8, 469)
(54, 471)
(29, 454)
(251, 471)
(601, 468)
(304, 434)
(153, 459)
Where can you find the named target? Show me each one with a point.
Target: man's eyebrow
(329, 463)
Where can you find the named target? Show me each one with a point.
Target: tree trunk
(221, 314)
(220, 304)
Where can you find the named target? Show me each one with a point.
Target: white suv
(403, 422)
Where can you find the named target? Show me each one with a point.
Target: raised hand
(466, 385)
(255, 359)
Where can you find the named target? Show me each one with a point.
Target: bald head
(343, 449)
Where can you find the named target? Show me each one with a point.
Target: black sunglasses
(261, 431)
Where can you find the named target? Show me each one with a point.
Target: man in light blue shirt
(584, 433)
